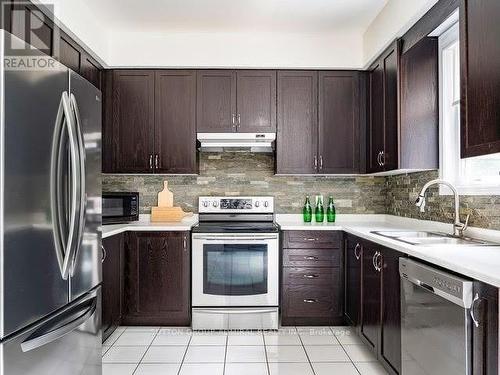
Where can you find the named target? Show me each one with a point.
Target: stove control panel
(236, 204)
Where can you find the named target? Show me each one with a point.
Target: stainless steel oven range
(235, 264)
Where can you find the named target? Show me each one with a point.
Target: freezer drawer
(68, 342)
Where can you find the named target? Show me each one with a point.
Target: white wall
(239, 50)
(393, 21)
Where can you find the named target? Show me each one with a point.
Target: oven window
(235, 270)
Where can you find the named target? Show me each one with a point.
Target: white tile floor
(289, 351)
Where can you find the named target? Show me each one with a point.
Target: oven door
(235, 269)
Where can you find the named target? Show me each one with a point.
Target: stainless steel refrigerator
(50, 216)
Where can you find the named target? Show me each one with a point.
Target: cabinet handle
(310, 258)
(150, 161)
(184, 243)
(382, 158)
(104, 254)
(307, 300)
(356, 254)
(321, 162)
(379, 156)
(157, 161)
(233, 120)
(311, 276)
(239, 121)
(373, 260)
(378, 262)
(309, 239)
(315, 162)
(472, 313)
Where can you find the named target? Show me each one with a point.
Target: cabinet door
(256, 101)
(216, 103)
(352, 259)
(297, 141)
(338, 122)
(90, 70)
(157, 279)
(390, 328)
(376, 136)
(390, 61)
(111, 283)
(175, 119)
(32, 26)
(370, 297)
(133, 120)
(480, 77)
(69, 54)
(485, 333)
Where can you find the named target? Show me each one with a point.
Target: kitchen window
(472, 176)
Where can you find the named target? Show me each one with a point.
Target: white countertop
(144, 225)
(478, 262)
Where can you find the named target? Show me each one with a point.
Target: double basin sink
(423, 238)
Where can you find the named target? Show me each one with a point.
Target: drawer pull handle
(356, 254)
(310, 258)
(310, 239)
(311, 276)
(310, 300)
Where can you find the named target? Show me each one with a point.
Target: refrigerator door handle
(52, 331)
(82, 198)
(64, 250)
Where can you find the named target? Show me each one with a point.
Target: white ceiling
(284, 16)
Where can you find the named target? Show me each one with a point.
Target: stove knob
(205, 203)
(215, 204)
(266, 204)
(257, 204)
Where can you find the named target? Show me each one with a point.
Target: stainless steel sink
(423, 238)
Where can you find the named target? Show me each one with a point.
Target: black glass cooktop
(235, 227)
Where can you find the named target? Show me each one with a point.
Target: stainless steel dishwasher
(435, 321)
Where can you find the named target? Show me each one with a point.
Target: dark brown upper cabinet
(339, 110)
(133, 121)
(419, 132)
(90, 70)
(153, 122)
(216, 103)
(480, 77)
(383, 111)
(175, 121)
(297, 138)
(69, 53)
(157, 279)
(256, 101)
(230, 101)
(318, 114)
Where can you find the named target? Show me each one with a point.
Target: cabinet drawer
(307, 301)
(311, 239)
(311, 257)
(309, 276)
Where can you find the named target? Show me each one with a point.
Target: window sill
(472, 190)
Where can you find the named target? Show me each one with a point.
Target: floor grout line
(185, 353)
(305, 351)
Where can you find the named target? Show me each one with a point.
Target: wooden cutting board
(165, 197)
(168, 214)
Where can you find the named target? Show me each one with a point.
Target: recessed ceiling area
(288, 16)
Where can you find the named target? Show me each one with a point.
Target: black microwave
(120, 207)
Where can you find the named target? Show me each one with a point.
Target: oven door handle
(247, 238)
(234, 311)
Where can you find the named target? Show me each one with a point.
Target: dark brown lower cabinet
(112, 283)
(312, 279)
(485, 335)
(157, 279)
(353, 251)
(380, 301)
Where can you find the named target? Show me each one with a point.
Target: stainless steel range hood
(257, 142)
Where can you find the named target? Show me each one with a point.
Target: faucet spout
(458, 226)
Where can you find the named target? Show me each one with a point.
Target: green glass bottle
(319, 213)
(330, 210)
(307, 211)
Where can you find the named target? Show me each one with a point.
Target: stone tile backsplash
(243, 173)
